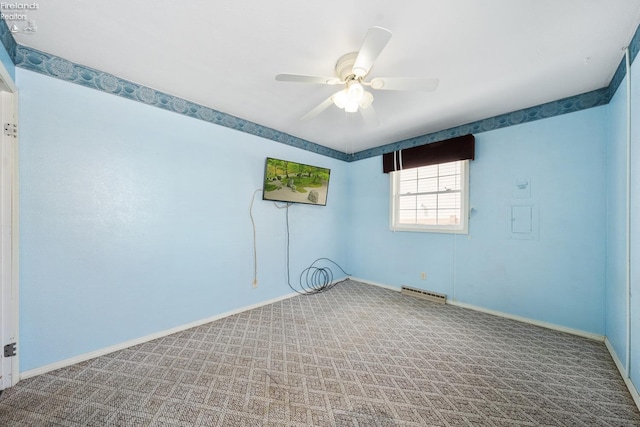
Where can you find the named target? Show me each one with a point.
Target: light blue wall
(6, 60)
(617, 233)
(635, 226)
(616, 298)
(134, 220)
(557, 278)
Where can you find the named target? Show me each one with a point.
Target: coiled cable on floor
(314, 279)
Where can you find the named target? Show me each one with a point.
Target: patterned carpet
(357, 355)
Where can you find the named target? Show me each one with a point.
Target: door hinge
(11, 129)
(10, 350)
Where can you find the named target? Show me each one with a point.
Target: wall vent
(428, 295)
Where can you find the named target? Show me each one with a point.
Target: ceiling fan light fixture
(340, 99)
(351, 70)
(355, 91)
(352, 97)
(351, 106)
(366, 99)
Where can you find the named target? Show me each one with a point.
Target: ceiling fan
(351, 71)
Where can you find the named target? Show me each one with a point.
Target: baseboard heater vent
(428, 295)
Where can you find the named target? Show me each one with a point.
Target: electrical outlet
(255, 283)
(423, 276)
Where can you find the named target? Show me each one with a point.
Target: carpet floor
(356, 355)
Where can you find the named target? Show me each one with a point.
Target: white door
(8, 232)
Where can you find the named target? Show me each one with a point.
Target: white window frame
(462, 228)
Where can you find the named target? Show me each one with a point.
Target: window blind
(449, 150)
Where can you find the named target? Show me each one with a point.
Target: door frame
(9, 371)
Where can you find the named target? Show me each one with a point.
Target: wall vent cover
(421, 293)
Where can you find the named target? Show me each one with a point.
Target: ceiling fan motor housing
(344, 66)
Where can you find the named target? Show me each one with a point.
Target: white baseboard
(547, 325)
(121, 346)
(632, 388)
(380, 285)
(534, 322)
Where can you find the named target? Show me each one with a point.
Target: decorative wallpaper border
(544, 111)
(621, 71)
(50, 65)
(7, 40)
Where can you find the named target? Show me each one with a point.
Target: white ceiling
(492, 56)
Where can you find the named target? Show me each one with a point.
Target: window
(432, 198)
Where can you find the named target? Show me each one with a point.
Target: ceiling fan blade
(404, 83)
(369, 115)
(301, 78)
(374, 42)
(318, 109)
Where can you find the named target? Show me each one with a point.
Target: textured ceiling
(491, 56)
